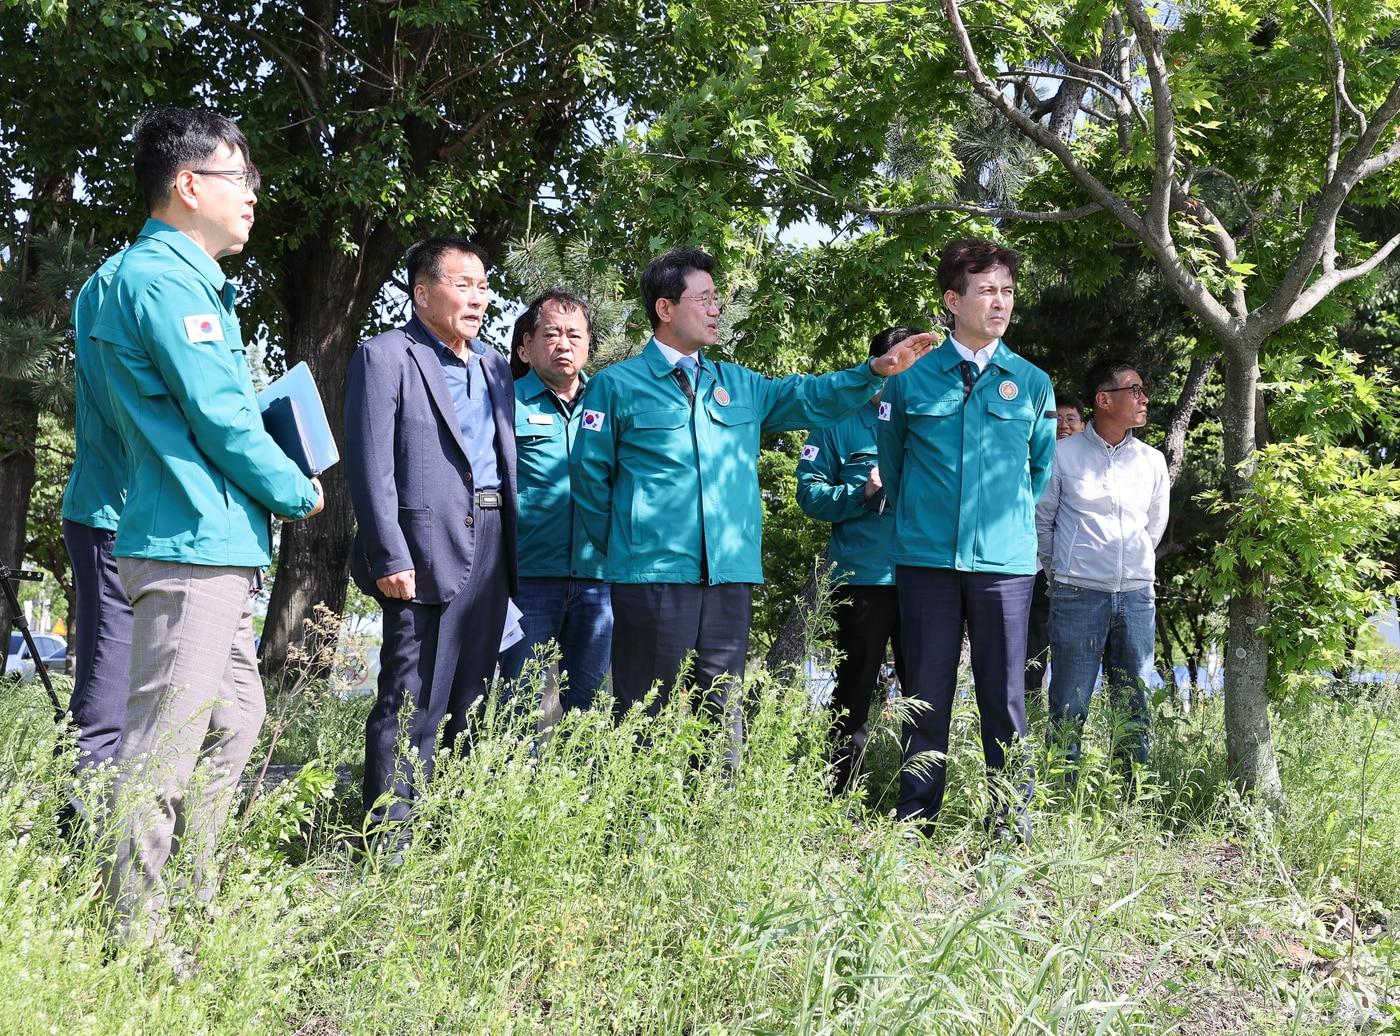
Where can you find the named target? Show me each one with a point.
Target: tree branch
(1355, 166)
(1016, 74)
(1163, 119)
(1179, 421)
(1214, 315)
(1223, 239)
(298, 73)
(1340, 82)
(1320, 288)
(448, 151)
(1049, 216)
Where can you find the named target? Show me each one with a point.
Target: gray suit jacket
(406, 463)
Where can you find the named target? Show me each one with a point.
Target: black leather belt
(488, 499)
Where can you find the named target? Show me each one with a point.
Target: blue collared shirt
(472, 401)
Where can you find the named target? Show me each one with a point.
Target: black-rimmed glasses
(1138, 391)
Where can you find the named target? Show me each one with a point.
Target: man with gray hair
(430, 461)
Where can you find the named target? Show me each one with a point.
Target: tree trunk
(1164, 662)
(19, 430)
(1248, 737)
(1066, 108)
(328, 295)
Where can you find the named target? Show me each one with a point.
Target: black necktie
(969, 376)
(683, 380)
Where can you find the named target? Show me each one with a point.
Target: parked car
(53, 649)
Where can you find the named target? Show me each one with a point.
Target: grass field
(609, 885)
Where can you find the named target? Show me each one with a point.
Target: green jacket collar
(1004, 359)
(661, 367)
(532, 386)
(183, 246)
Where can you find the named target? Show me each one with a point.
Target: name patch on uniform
(884, 411)
(541, 418)
(593, 420)
(1008, 390)
(810, 452)
(204, 327)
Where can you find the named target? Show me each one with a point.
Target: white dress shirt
(981, 357)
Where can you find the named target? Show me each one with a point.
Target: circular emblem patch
(721, 395)
(1008, 390)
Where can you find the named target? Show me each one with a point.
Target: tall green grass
(619, 879)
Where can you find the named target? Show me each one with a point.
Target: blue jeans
(577, 615)
(1089, 627)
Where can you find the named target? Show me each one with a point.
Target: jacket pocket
(731, 416)
(947, 406)
(1008, 410)
(660, 419)
(416, 524)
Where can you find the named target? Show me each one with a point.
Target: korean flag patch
(593, 420)
(884, 411)
(810, 452)
(204, 327)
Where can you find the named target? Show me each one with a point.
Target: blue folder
(293, 415)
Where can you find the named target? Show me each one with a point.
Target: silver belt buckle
(488, 499)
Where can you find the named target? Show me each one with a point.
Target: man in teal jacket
(203, 480)
(838, 481)
(100, 632)
(562, 597)
(966, 447)
(665, 477)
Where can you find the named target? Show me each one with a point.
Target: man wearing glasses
(430, 461)
(202, 481)
(665, 478)
(1097, 527)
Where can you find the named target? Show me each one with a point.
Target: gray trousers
(196, 698)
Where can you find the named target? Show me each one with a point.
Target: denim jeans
(1087, 628)
(577, 615)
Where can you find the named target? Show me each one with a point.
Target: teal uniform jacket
(964, 478)
(552, 541)
(203, 476)
(653, 477)
(97, 485)
(831, 475)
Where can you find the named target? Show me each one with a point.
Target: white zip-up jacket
(1100, 520)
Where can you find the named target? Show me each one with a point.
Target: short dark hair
(1104, 375)
(1064, 399)
(424, 258)
(887, 339)
(525, 323)
(170, 139)
(664, 277)
(972, 255)
(518, 367)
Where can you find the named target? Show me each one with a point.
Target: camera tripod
(8, 577)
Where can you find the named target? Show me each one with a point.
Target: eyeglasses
(707, 300)
(1138, 391)
(251, 179)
